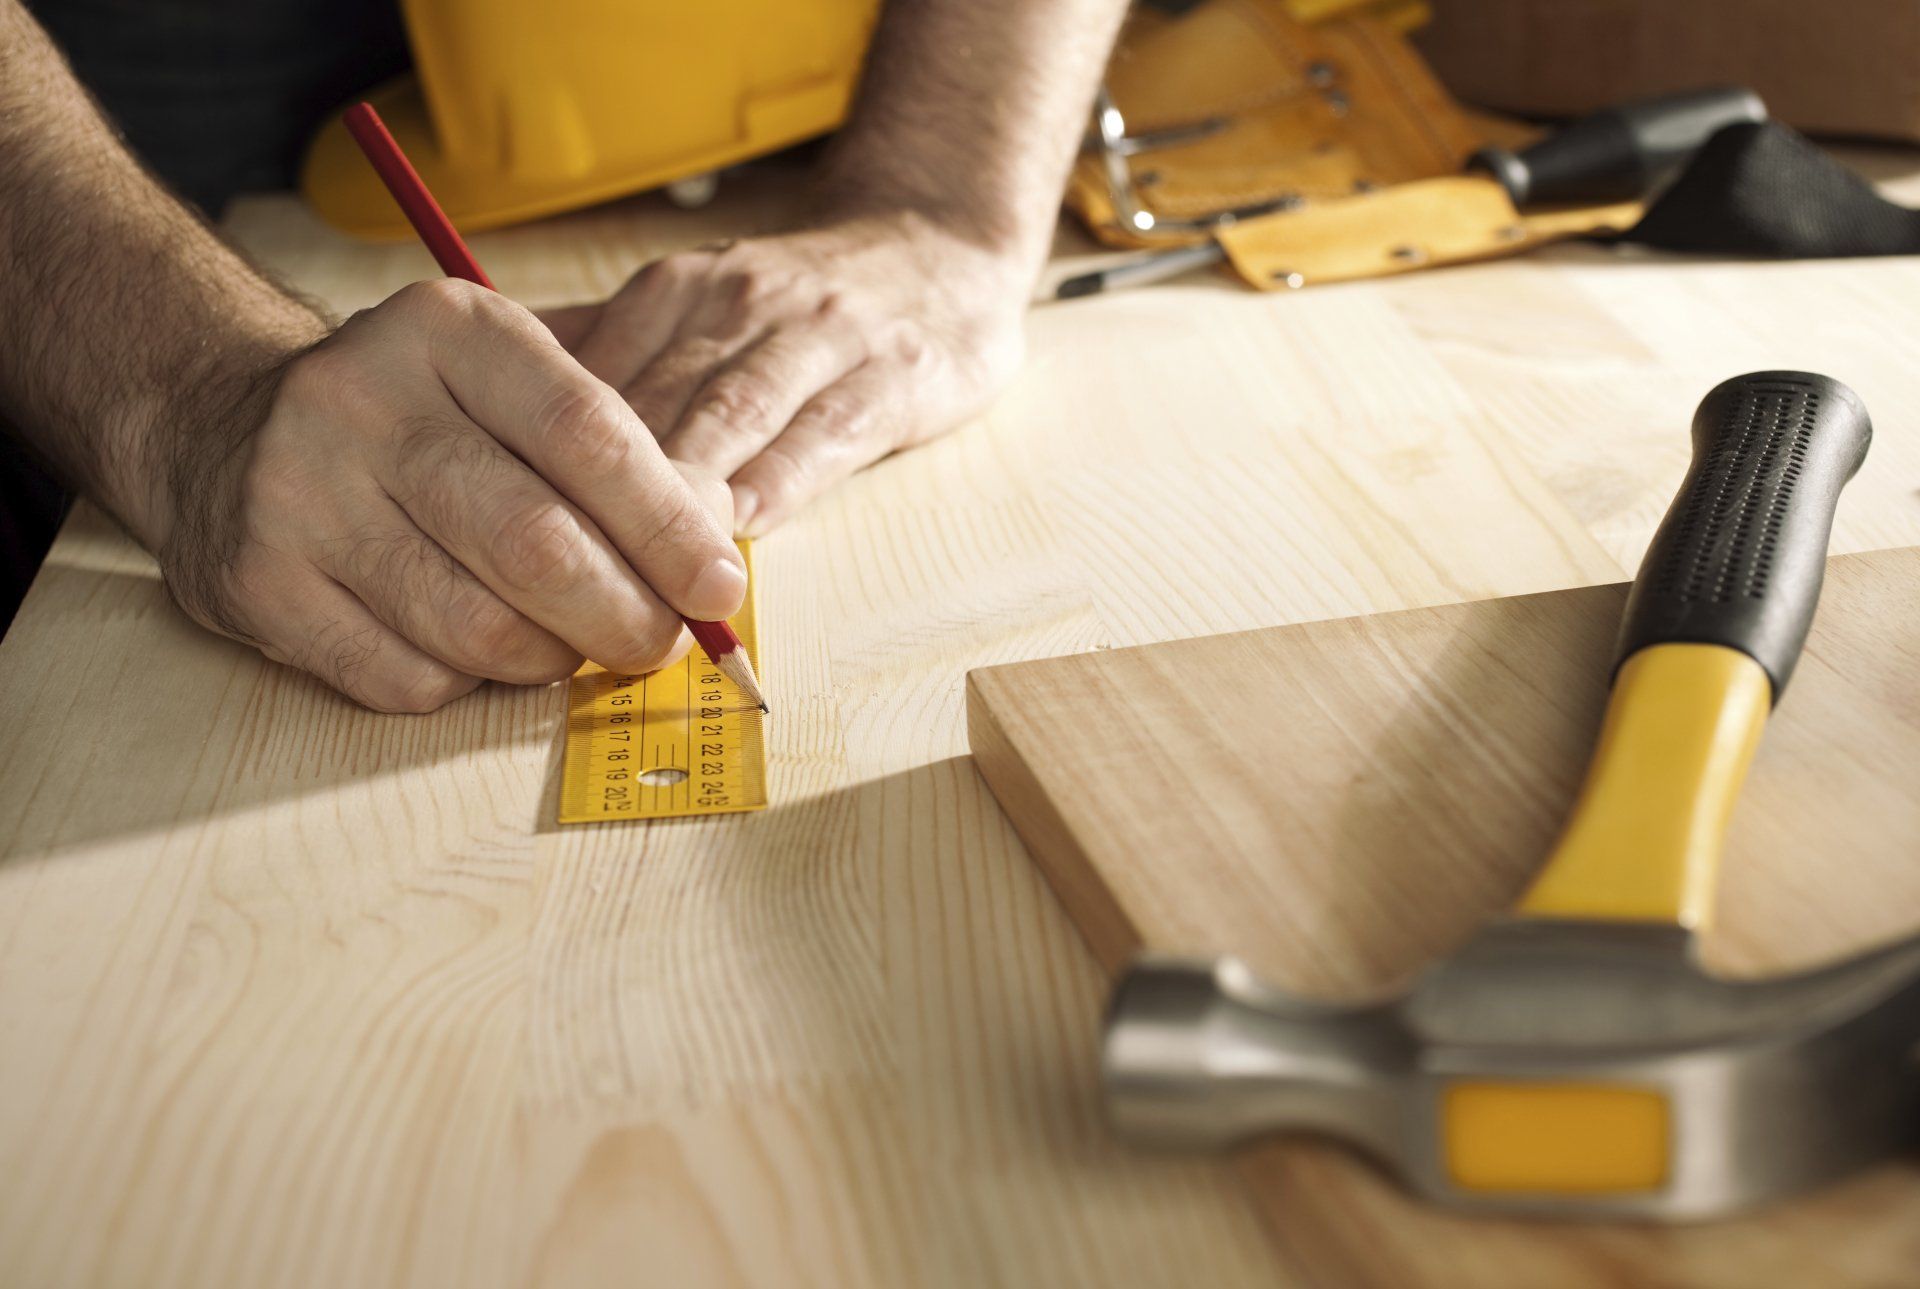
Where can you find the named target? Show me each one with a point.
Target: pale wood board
(1338, 803)
(291, 994)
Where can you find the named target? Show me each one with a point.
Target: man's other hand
(785, 363)
(436, 494)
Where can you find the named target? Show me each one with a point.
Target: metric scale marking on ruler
(680, 741)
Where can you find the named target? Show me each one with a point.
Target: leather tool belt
(1293, 143)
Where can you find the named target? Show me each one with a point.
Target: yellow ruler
(680, 741)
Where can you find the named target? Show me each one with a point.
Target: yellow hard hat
(518, 110)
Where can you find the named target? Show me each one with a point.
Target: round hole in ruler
(664, 776)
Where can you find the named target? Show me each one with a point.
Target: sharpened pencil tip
(734, 666)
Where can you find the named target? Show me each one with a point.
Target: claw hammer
(1573, 1058)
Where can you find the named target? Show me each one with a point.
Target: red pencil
(455, 260)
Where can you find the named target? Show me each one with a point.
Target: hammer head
(1549, 1068)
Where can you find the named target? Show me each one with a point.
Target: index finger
(511, 379)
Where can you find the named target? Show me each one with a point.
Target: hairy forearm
(126, 316)
(971, 111)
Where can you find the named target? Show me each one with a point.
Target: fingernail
(745, 501)
(720, 583)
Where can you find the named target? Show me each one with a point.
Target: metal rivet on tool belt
(1409, 254)
(1293, 280)
(1321, 74)
(1364, 185)
(1146, 179)
(1512, 233)
(1337, 102)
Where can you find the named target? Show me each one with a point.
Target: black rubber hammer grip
(1739, 558)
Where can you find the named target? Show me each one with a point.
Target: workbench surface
(296, 994)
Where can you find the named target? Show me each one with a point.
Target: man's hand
(434, 493)
(785, 363)
(437, 494)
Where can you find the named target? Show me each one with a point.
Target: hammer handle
(1713, 625)
(1739, 559)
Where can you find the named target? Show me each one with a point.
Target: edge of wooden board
(1098, 915)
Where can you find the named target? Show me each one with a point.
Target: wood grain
(1337, 803)
(292, 994)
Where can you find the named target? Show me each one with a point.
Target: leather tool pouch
(1288, 141)
(1402, 228)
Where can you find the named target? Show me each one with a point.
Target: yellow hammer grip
(1644, 840)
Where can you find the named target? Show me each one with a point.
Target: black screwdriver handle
(1739, 558)
(1621, 152)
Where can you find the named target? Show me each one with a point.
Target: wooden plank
(1339, 802)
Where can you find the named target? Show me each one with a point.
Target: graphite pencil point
(734, 666)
